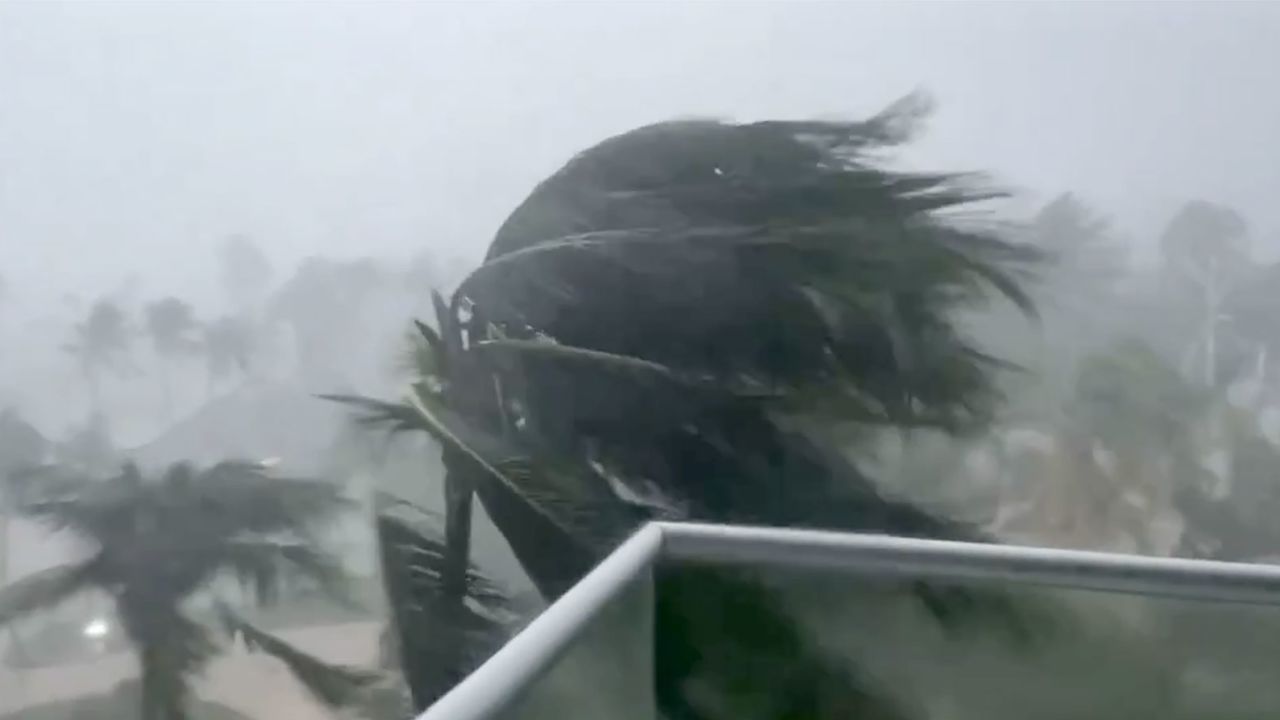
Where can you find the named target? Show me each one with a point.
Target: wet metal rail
(499, 682)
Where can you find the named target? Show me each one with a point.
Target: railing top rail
(943, 560)
(499, 681)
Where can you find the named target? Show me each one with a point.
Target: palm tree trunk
(161, 695)
(458, 493)
(161, 683)
(452, 661)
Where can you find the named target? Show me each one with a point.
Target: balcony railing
(1116, 635)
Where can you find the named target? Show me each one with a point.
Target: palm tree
(99, 343)
(1205, 249)
(695, 320)
(325, 306)
(157, 542)
(170, 322)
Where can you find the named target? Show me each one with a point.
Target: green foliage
(169, 323)
(332, 685)
(1204, 233)
(427, 625)
(157, 541)
(1133, 400)
(671, 325)
(102, 340)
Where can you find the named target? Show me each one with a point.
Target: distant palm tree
(170, 322)
(100, 342)
(1205, 248)
(697, 320)
(324, 304)
(157, 542)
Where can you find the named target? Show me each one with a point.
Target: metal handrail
(499, 682)
(944, 560)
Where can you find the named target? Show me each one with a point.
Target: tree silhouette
(158, 542)
(672, 325)
(1205, 251)
(170, 322)
(324, 304)
(101, 342)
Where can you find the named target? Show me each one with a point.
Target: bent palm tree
(100, 342)
(170, 322)
(157, 542)
(691, 320)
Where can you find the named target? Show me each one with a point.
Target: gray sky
(134, 136)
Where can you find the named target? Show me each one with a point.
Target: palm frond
(624, 363)
(424, 353)
(700, 246)
(485, 451)
(533, 507)
(439, 640)
(247, 498)
(336, 686)
(26, 489)
(431, 338)
(62, 498)
(395, 417)
(263, 565)
(45, 589)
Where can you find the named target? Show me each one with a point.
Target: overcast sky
(135, 136)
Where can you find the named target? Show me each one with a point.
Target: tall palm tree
(157, 542)
(1205, 248)
(325, 306)
(695, 320)
(170, 322)
(1084, 251)
(100, 342)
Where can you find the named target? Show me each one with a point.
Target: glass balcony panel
(772, 643)
(607, 672)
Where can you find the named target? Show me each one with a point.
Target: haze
(136, 136)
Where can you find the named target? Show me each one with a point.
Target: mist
(217, 216)
(134, 137)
